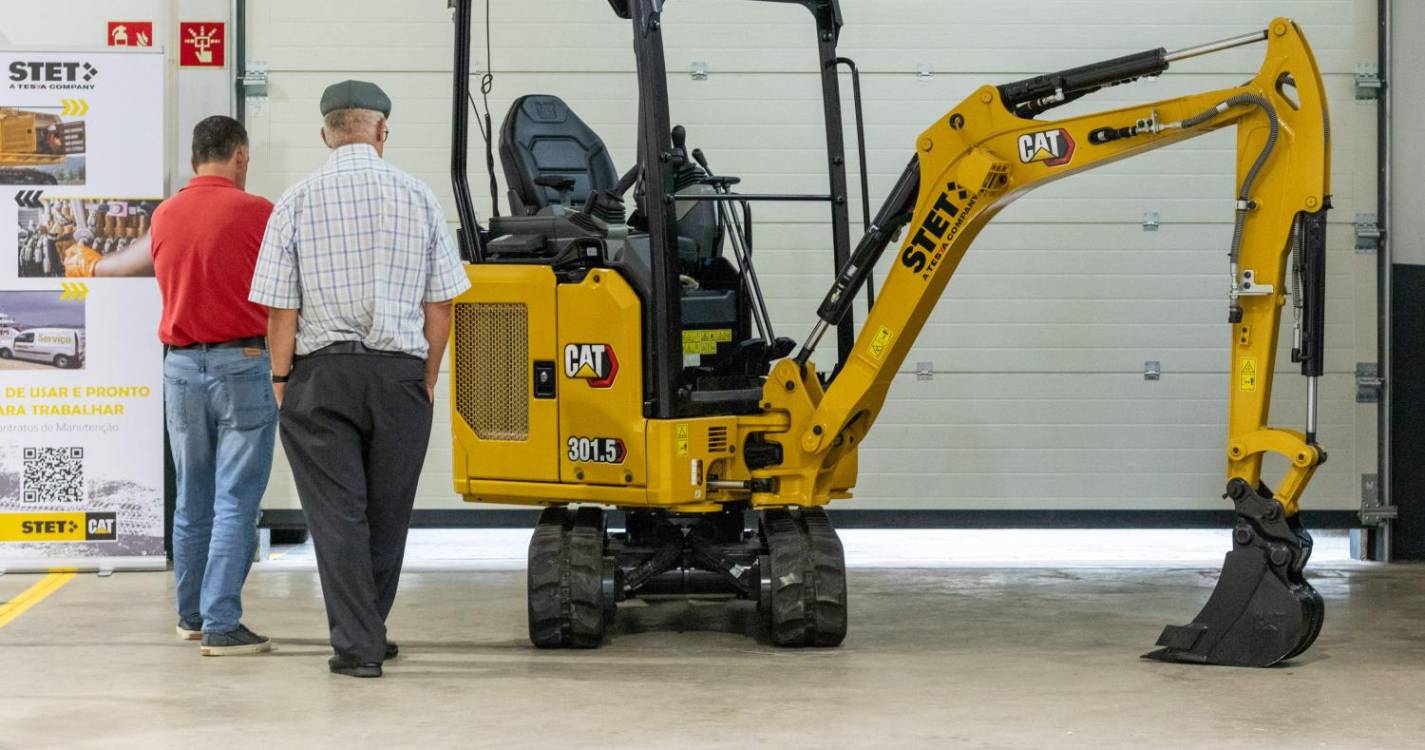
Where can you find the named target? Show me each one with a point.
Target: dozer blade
(1262, 611)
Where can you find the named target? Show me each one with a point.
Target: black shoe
(392, 650)
(190, 630)
(353, 668)
(236, 642)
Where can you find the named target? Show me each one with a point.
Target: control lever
(760, 316)
(680, 146)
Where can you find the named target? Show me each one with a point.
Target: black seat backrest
(542, 137)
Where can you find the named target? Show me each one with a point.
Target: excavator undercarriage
(610, 353)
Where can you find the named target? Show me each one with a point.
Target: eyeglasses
(386, 135)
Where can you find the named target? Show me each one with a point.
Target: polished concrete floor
(941, 654)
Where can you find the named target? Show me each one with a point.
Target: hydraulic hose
(1244, 195)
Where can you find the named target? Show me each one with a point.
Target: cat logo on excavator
(1053, 147)
(595, 363)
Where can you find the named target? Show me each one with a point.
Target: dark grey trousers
(355, 428)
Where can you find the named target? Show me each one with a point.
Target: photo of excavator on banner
(29, 140)
(615, 349)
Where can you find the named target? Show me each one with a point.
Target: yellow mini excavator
(610, 353)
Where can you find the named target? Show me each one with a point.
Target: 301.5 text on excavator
(611, 354)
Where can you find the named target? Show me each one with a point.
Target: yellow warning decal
(705, 341)
(58, 527)
(681, 438)
(1247, 374)
(879, 343)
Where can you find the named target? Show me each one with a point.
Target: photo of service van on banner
(40, 330)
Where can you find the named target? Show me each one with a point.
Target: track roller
(572, 591)
(1262, 611)
(802, 595)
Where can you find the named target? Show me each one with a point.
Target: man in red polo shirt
(221, 414)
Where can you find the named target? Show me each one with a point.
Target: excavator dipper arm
(982, 156)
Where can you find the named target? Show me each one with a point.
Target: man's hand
(437, 333)
(281, 342)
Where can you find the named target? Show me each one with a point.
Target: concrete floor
(962, 656)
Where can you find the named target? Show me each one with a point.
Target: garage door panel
(1038, 344)
(1188, 490)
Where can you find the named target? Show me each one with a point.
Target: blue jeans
(222, 420)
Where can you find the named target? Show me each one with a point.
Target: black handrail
(861, 157)
(472, 249)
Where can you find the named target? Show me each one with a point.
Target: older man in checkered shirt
(358, 275)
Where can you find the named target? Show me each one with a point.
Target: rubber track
(566, 601)
(808, 573)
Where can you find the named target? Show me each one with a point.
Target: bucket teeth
(1262, 611)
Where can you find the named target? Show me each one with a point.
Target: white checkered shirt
(356, 247)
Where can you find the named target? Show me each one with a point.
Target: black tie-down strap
(1263, 611)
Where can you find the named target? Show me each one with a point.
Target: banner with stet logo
(81, 368)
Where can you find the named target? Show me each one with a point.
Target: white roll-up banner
(81, 371)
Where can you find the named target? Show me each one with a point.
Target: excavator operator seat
(553, 163)
(550, 156)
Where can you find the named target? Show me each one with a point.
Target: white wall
(1038, 400)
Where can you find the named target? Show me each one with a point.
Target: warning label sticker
(1247, 374)
(879, 343)
(705, 341)
(681, 438)
(58, 527)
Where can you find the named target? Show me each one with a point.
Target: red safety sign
(200, 44)
(130, 33)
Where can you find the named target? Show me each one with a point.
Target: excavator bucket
(1263, 611)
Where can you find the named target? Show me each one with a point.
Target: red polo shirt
(205, 242)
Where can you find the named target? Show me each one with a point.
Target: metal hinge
(698, 69)
(1373, 509)
(924, 370)
(1152, 369)
(924, 72)
(1368, 82)
(1368, 234)
(1368, 383)
(1151, 221)
(254, 80)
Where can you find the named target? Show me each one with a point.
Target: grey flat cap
(355, 95)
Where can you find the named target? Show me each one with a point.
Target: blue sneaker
(235, 642)
(190, 630)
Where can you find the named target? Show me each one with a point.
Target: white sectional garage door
(1033, 395)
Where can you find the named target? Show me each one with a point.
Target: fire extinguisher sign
(130, 33)
(202, 44)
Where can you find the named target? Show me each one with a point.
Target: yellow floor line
(32, 596)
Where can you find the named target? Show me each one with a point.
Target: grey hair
(351, 125)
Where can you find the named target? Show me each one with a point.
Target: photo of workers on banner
(42, 147)
(85, 237)
(41, 331)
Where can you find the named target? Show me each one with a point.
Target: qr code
(54, 475)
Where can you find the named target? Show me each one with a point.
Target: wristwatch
(280, 378)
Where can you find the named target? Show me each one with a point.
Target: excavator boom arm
(982, 156)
